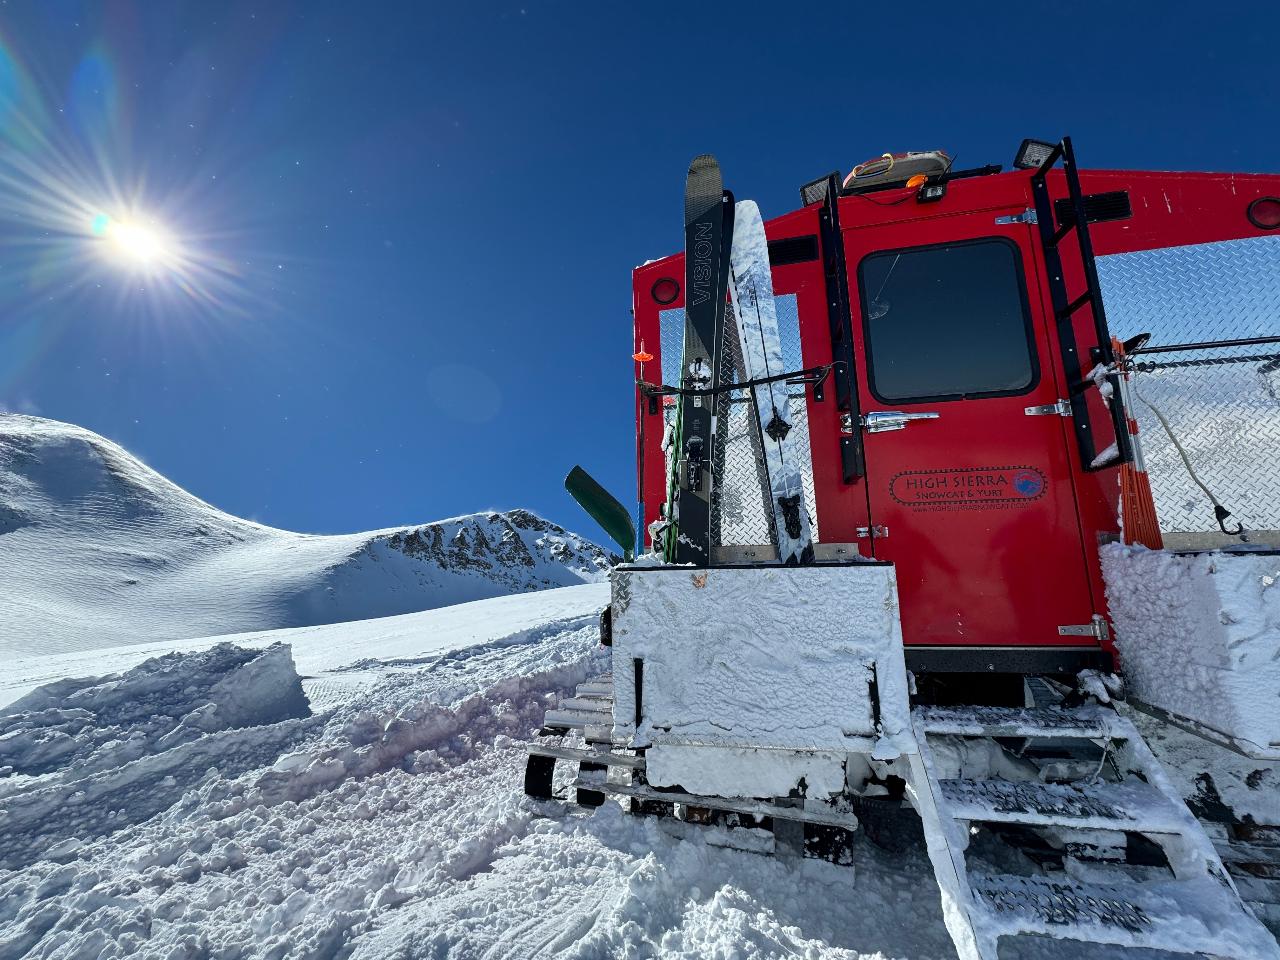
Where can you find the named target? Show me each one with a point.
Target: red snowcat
(957, 353)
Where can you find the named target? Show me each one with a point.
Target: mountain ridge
(98, 549)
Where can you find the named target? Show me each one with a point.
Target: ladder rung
(755, 808)
(1075, 305)
(588, 704)
(1060, 233)
(1087, 722)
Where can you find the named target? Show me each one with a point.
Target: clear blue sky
(408, 228)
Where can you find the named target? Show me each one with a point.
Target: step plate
(1184, 917)
(1096, 806)
(1088, 722)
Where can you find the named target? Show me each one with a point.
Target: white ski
(751, 289)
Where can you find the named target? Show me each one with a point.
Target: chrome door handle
(881, 420)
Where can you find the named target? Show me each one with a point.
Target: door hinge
(1026, 216)
(1096, 628)
(876, 531)
(1062, 408)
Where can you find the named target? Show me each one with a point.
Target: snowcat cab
(959, 348)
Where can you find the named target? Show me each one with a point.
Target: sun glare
(134, 244)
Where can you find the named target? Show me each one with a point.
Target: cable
(857, 171)
(1220, 512)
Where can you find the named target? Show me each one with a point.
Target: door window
(947, 322)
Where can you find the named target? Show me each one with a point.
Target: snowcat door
(969, 473)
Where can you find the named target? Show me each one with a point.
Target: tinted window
(947, 321)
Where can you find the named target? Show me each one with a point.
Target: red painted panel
(980, 504)
(1175, 209)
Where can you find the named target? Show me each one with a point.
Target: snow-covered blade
(751, 287)
(1199, 636)
(97, 550)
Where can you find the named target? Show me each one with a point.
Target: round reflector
(665, 290)
(1265, 213)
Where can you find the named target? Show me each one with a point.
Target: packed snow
(392, 823)
(98, 550)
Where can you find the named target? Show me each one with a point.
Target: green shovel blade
(603, 507)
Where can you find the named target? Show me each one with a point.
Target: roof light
(1264, 213)
(931, 192)
(664, 290)
(1033, 154)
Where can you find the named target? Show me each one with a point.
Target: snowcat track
(821, 833)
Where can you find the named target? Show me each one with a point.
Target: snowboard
(751, 289)
(708, 222)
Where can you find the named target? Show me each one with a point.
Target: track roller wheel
(538, 774)
(590, 798)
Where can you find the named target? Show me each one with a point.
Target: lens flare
(134, 244)
(89, 224)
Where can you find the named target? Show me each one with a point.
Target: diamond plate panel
(1204, 291)
(1222, 405)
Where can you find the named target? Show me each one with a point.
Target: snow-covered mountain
(97, 550)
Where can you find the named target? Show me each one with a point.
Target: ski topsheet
(707, 220)
(751, 286)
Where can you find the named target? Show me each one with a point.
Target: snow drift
(97, 550)
(83, 758)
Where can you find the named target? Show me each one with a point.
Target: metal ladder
(1177, 898)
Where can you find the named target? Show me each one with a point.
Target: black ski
(708, 223)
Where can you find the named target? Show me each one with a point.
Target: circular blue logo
(1028, 483)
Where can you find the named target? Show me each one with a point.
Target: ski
(751, 288)
(708, 219)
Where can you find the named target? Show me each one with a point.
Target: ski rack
(1064, 309)
(812, 376)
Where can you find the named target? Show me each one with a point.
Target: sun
(137, 243)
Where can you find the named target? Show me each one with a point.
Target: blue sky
(408, 228)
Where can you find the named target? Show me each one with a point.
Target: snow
(392, 825)
(783, 680)
(398, 830)
(98, 550)
(338, 661)
(1198, 637)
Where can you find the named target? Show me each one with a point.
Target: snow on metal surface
(1186, 917)
(1100, 805)
(1199, 636)
(771, 657)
